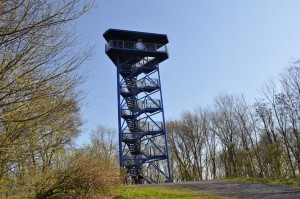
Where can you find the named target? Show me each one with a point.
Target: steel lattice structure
(143, 143)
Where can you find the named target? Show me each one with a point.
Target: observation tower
(143, 147)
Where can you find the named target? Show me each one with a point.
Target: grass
(283, 182)
(140, 192)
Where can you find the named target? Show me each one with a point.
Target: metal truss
(143, 147)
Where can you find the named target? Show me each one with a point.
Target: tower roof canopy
(127, 35)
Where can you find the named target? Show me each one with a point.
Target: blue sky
(214, 46)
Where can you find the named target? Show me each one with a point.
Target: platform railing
(129, 162)
(155, 150)
(132, 45)
(127, 112)
(150, 126)
(126, 89)
(136, 67)
(145, 62)
(149, 104)
(127, 69)
(145, 82)
(143, 104)
(130, 136)
(145, 127)
(155, 126)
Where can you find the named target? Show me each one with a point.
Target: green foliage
(273, 156)
(134, 192)
(244, 163)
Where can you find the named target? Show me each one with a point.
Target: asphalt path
(237, 189)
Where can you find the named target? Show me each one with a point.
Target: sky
(214, 47)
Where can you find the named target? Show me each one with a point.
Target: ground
(237, 189)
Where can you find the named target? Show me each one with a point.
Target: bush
(82, 176)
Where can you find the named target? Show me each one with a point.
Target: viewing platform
(125, 44)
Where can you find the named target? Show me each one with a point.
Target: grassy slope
(134, 192)
(284, 182)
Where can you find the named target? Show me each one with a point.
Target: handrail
(147, 127)
(142, 104)
(150, 126)
(131, 136)
(147, 82)
(144, 82)
(155, 150)
(132, 45)
(149, 103)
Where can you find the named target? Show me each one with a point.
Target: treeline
(40, 105)
(234, 138)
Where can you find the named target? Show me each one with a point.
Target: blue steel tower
(143, 147)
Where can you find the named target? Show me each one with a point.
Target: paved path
(238, 189)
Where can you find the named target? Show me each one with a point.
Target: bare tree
(225, 128)
(39, 98)
(104, 144)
